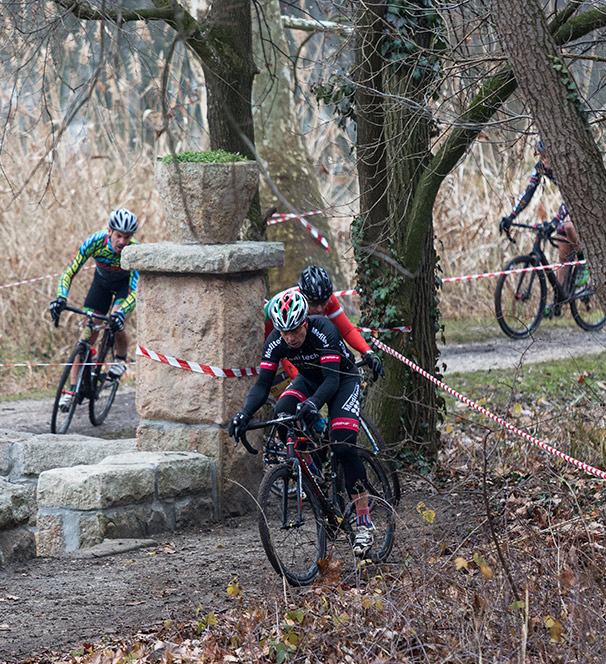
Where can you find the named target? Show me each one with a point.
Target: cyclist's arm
(259, 392)
(334, 312)
(526, 197)
(350, 334)
(85, 251)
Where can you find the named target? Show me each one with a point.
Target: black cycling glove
(116, 321)
(505, 224)
(56, 307)
(307, 413)
(372, 360)
(237, 426)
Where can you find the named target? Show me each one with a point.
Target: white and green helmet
(288, 310)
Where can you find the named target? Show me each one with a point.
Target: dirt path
(549, 343)
(57, 604)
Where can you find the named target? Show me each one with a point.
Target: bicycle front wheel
(103, 386)
(586, 310)
(371, 438)
(380, 504)
(62, 412)
(294, 542)
(520, 299)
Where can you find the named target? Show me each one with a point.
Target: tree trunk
(282, 148)
(553, 99)
(405, 406)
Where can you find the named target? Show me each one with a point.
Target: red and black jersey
(322, 359)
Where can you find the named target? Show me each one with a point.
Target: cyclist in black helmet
(316, 285)
(568, 238)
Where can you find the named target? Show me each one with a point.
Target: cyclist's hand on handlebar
(307, 413)
(372, 360)
(237, 426)
(116, 321)
(56, 307)
(505, 224)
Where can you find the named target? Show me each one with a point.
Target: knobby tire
(60, 421)
(292, 548)
(520, 298)
(103, 387)
(585, 308)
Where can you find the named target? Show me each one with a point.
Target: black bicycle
(93, 382)
(301, 511)
(521, 297)
(369, 436)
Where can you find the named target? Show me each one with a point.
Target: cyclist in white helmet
(326, 375)
(110, 280)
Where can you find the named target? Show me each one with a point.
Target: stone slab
(177, 473)
(17, 504)
(196, 258)
(32, 456)
(96, 487)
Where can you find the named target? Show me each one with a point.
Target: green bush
(208, 157)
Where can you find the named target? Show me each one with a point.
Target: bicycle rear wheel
(520, 299)
(380, 503)
(586, 310)
(293, 546)
(103, 386)
(371, 438)
(62, 416)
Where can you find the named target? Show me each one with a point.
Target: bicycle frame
(563, 293)
(294, 457)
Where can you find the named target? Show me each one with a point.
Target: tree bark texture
(551, 96)
(393, 149)
(282, 149)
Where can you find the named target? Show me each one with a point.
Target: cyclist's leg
(299, 390)
(121, 337)
(344, 411)
(568, 247)
(96, 300)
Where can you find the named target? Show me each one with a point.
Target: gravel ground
(57, 604)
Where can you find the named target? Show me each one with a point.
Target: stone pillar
(202, 303)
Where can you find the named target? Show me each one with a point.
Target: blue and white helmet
(123, 220)
(288, 311)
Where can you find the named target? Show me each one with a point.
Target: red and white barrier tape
(580, 464)
(535, 268)
(60, 364)
(340, 293)
(403, 328)
(279, 218)
(46, 276)
(194, 366)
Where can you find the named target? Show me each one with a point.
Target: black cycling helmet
(539, 147)
(315, 284)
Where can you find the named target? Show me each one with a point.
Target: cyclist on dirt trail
(110, 279)
(326, 375)
(316, 285)
(569, 240)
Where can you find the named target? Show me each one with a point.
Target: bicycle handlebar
(90, 314)
(544, 229)
(251, 426)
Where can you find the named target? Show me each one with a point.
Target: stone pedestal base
(204, 304)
